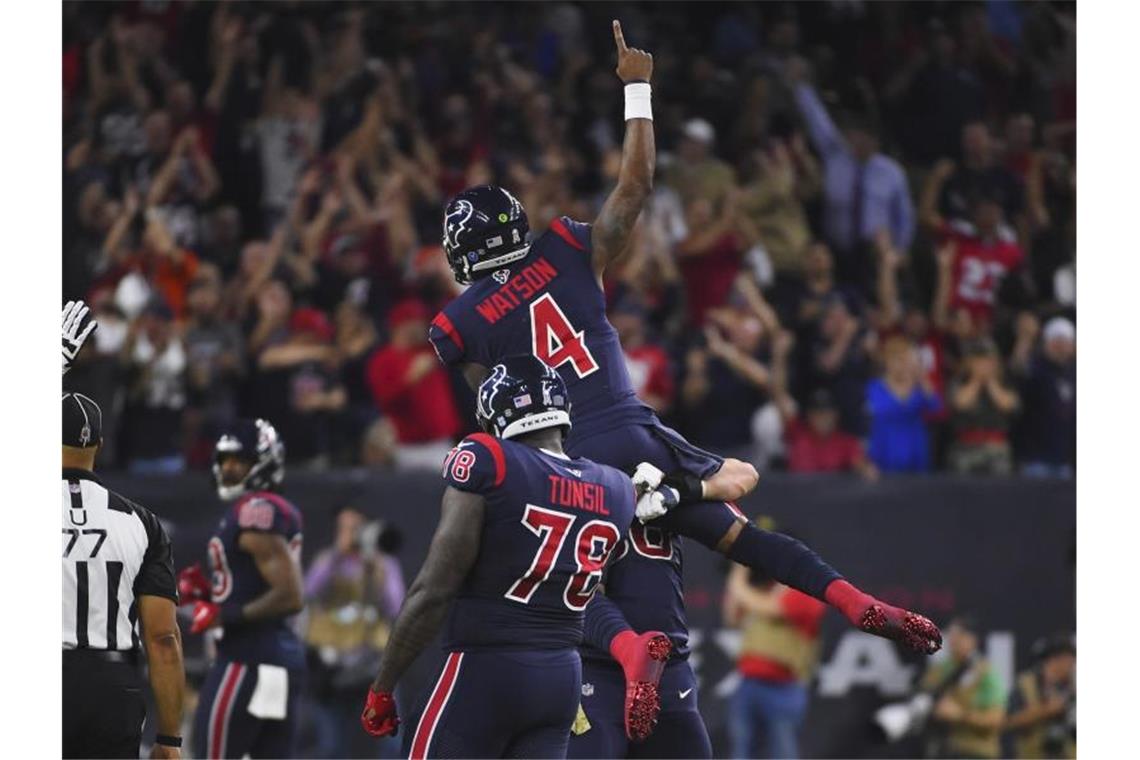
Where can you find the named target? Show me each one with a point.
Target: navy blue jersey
(548, 304)
(644, 578)
(549, 527)
(236, 580)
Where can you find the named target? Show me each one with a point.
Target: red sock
(622, 646)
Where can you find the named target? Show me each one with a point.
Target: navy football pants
(680, 731)
(223, 725)
(500, 704)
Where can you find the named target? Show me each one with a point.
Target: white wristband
(637, 101)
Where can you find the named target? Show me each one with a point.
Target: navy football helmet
(257, 442)
(484, 228)
(520, 395)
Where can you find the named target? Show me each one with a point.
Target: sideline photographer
(967, 718)
(959, 708)
(353, 589)
(1042, 720)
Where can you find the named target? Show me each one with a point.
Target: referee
(117, 570)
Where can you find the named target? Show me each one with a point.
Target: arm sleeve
(156, 573)
(822, 129)
(477, 464)
(446, 340)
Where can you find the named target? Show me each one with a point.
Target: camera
(379, 537)
(902, 719)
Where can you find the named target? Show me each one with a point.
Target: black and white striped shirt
(113, 552)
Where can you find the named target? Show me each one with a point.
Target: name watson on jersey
(517, 290)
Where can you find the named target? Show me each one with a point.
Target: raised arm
(614, 225)
(821, 129)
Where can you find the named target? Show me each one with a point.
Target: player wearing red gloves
(248, 702)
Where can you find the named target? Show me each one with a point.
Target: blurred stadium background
(252, 200)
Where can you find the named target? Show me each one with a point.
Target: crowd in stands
(859, 254)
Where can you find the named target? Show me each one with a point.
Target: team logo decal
(501, 276)
(456, 222)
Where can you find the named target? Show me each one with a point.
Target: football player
(524, 532)
(248, 703)
(542, 295)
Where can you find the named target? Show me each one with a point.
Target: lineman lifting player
(543, 296)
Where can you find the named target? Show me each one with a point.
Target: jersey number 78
(592, 546)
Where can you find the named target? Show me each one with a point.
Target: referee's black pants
(103, 705)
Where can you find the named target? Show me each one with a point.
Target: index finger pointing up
(618, 37)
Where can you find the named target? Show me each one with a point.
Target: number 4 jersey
(549, 526)
(235, 580)
(549, 305)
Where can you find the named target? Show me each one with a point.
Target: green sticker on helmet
(503, 217)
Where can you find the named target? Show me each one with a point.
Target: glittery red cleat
(643, 659)
(910, 629)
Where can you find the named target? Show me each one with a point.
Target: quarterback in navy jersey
(524, 533)
(248, 703)
(542, 295)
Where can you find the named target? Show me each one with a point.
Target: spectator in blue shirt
(898, 404)
(864, 190)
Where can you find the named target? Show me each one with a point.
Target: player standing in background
(248, 703)
(544, 297)
(523, 535)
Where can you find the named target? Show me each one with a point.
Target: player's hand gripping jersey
(550, 525)
(549, 305)
(235, 580)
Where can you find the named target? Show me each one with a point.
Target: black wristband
(688, 486)
(168, 741)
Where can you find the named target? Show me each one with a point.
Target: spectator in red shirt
(985, 253)
(710, 255)
(647, 362)
(814, 442)
(779, 651)
(412, 388)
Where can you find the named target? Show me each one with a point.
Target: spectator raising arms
(864, 190)
(1048, 378)
(985, 251)
(246, 163)
(898, 403)
(814, 441)
(981, 411)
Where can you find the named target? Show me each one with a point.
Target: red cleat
(869, 614)
(910, 629)
(642, 658)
